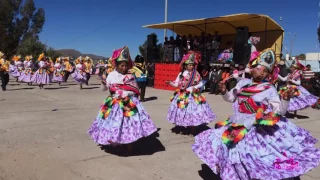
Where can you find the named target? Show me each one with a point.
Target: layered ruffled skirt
(14, 71)
(189, 109)
(80, 77)
(121, 122)
(304, 100)
(58, 76)
(41, 76)
(26, 75)
(290, 152)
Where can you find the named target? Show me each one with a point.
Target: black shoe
(4, 89)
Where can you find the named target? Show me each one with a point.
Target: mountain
(74, 54)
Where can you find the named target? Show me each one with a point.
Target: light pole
(291, 43)
(165, 17)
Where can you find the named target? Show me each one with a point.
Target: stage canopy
(270, 32)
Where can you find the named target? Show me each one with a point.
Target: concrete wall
(313, 56)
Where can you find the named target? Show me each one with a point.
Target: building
(313, 56)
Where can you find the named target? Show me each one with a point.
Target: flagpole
(165, 17)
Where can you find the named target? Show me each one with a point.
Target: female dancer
(58, 72)
(303, 98)
(98, 65)
(16, 68)
(79, 74)
(256, 142)
(189, 107)
(27, 73)
(42, 75)
(122, 119)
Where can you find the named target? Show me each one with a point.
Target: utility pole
(291, 43)
(165, 17)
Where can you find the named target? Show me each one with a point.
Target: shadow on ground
(207, 174)
(20, 89)
(291, 116)
(48, 88)
(150, 98)
(189, 131)
(144, 146)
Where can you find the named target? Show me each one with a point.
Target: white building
(313, 56)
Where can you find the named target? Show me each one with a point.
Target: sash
(129, 84)
(248, 105)
(191, 80)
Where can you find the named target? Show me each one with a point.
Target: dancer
(122, 119)
(27, 73)
(189, 107)
(140, 73)
(110, 67)
(88, 63)
(58, 72)
(4, 71)
(67, 68)
(42, 75)
(16, 68)
(79, 74)
(303, 98)
(256, 142)
(97, 67)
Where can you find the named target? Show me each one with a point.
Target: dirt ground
(43, 136)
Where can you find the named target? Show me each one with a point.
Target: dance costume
(27, 73)
(17, 67)
(42, 75)
(256, 142)
(79, 74)
(58, 73)
(121, 119)
(188, 106)
(303, 98)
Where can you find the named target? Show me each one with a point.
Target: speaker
(242, 50)
(242, 35)
(152, 40)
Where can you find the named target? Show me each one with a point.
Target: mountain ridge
(74, 54)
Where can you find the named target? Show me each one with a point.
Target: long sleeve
(278, 106)
(176, 82)
(284, 79)
(231, 95)
(198, 86)
(296, 82)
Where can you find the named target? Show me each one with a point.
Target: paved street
(43, 136)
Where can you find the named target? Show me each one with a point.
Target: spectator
(190, 42)
(205, 77)
(232, 82)
(283, 72)
(308, 73)
(214, 78)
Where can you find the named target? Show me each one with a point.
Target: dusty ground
(43, 137)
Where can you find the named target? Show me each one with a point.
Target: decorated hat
(65, 58)
(265, 58)
(122, 54)
(41, 57)
(28, 58)
(58, 59)
(191, 58)
(1, 54)
(16, 58)
(295, 63)
(139, 59)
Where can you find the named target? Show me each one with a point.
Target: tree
(301, 56)
(159, 50)
(50, 52)
(20, 20)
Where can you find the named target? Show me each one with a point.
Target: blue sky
(100, 26)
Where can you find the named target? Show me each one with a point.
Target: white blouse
(116, 78)
(185, 73)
